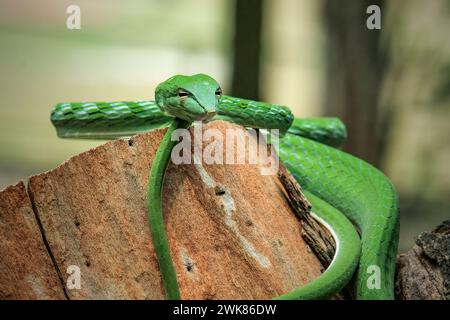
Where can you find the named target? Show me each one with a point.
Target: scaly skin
(359, 191)
(111, 120)
(338, 185)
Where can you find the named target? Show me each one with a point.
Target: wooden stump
(232, 231)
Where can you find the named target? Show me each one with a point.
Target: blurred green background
(391, 87)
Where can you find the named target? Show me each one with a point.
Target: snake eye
(219, 92)
(182, 94)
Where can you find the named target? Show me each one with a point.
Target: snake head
(191, 98)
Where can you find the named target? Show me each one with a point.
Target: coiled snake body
(341, 188)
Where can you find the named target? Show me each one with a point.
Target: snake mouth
(209, 115)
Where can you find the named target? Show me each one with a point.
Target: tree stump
(233, 232)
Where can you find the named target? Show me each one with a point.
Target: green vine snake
(351, 198)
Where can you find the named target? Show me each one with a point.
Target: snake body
(344, 191)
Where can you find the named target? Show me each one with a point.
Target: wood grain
(26, 269)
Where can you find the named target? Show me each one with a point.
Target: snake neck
(155, 214)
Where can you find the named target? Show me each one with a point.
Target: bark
(424, 271)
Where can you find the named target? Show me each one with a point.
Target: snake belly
(337, 183)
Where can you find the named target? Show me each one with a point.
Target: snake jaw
(209, 115)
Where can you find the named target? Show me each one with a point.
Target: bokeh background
(391, 87)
